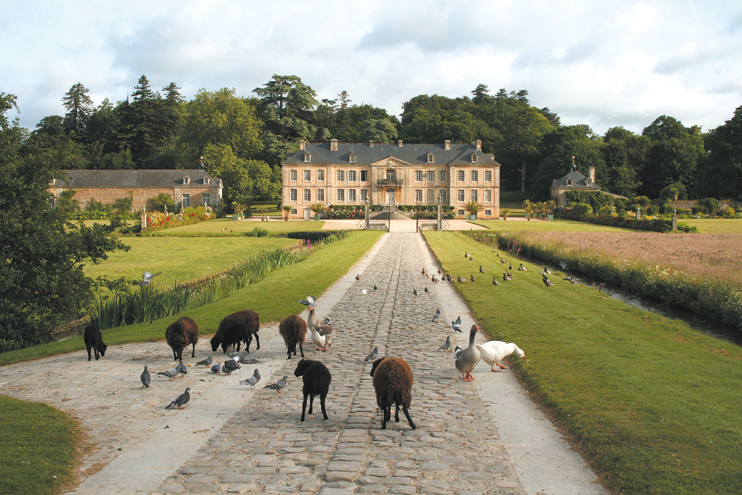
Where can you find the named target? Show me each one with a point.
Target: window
(307, 175)
(475, 175)
(474, 158)
(364, 175)
(292, 195)
(442, 176)
(431, 196)
(352, 157)
(431, 175)
(390, 175)
(321, 175)
(340, 176)
(307, 157)
(442, 194)
(418, 195)
(474, 195)
(460, 195)
(320, 195)
(460, 176)
(488, 195)
(430, 158)
(341, 194)
(292, 175)
(186, 201)
(364, 194)
(461, 212)
(418, 175)
(488, 213)
(205, 199)
(351, 175)
(293, 211)
(307, 195)
(488, 175)
(351, 195)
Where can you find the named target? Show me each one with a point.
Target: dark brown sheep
(393, 385)
(235, 328)
(94, 341)
(317, 380)
(180, 334)
(293, 329)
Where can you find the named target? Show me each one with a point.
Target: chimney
(370, 143)
(447, 144)
(399, 143)
(302, 145)
(479, 144)
(591, 175)
(333, 144)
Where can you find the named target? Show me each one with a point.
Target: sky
(602, 63)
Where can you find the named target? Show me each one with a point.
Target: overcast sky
(602, 63)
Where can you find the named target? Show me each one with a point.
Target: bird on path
(215, 368)
(363, 292)
(233, 353)
(309, 301)
(415, 292)
(427, 291)
(436, 315)
(482, 270)
(456, 325)
(205, 362)
(171, 373)
(180, 400)
(495, 281)
(376, 287)
(472, 278)
(145, 376)
(229, 366)
(181, 368)
(458, 320)
(147, 278)
(372, 355)
(495, 351)
(252, 380)
(506, 278)
(456, 351)
(358, 277)
(434, 280)
(467, 360)
(246, 359)
(277, 386)
(446, 345)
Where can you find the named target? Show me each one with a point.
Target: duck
(467, 360)
(460, 279)
(546, 270)
(482, 270)
(502, 260)
(522, 268)
(434, 280)
(571, 279)
(509, 273)
(472, 278)
(466, 254)
(510, 266)
(547, 282)
(494, 351)
(506, 278)
(495, 281)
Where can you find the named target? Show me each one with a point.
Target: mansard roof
(412, 154)
(139, 179)
(574, 179)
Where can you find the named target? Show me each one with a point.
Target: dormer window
(474, 158)
(569, 182)
(307, 157)
(207, 181)
(430, 158)
(352, 157)
(186, 181)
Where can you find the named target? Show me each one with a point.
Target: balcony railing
(391, 182)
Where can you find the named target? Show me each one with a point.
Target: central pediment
(390, 161)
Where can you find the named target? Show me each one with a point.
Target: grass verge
(226, 227)
(652, 404)
(39, 448)
(544, 226)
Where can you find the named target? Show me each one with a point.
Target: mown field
(226, 227)
(652, 404)
(544, 226)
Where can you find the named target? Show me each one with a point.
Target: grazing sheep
(94, 340)
(181, 333)
(293, 329)
(316, 383)
(393, 385)
(235, 328)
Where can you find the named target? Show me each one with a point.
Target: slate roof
(578, 180)
(414, 154)
(138, 179)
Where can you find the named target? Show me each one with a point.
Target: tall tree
(720, 173)
(286, 108)
(379, 130)
(79, 107)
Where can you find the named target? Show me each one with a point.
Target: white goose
(494, 351)
(467, 359)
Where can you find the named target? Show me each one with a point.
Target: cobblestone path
(264, 448)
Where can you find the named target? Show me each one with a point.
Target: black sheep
(316, 383)
(393, 385)
(293, 329)
(235, 328)
(94, 340)
(180, 334)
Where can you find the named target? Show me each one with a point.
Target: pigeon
(376, 287)
(495, 281)
(233, 353)
(358, 277)
(482, 270)
(215, 368)
(181, 368)
(458, 320)
(415, 292)
(171, 373)
(278, 385)
(436, 315)
(456, 325)
(145, 376)
(446, 345)
(147, 278)
(372, 355)
(427, 291)
(472, 278)
(205, 362)
(309, 301)
(180, 400)
(326, 320)
(244, 358)
(229, 366)
(252, 380)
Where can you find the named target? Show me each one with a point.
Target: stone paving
(264, 448)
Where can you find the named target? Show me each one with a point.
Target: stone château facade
(390, 175)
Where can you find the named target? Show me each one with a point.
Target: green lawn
(542, 225)
(226, 227)
(716, 225)
(653, 404)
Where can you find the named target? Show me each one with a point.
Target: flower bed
(159, 221)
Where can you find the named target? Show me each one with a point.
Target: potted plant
(528, 207)
(286, 211)
(473, 208)
(505, 212)
(317, 209)
(550, 205)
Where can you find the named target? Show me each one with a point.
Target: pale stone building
(573, 181)
(391, 175)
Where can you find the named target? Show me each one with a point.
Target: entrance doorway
(390, 199)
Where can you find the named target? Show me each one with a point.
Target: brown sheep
(393, 385)
(94, 341)
(180, 334)
(317, 380)
(235, 328)
(293, 329)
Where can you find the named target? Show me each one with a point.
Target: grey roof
(84, 179)
(414, 154)
(578, 180)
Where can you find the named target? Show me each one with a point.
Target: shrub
(582, 209)
(258, 232)
(728, 212)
